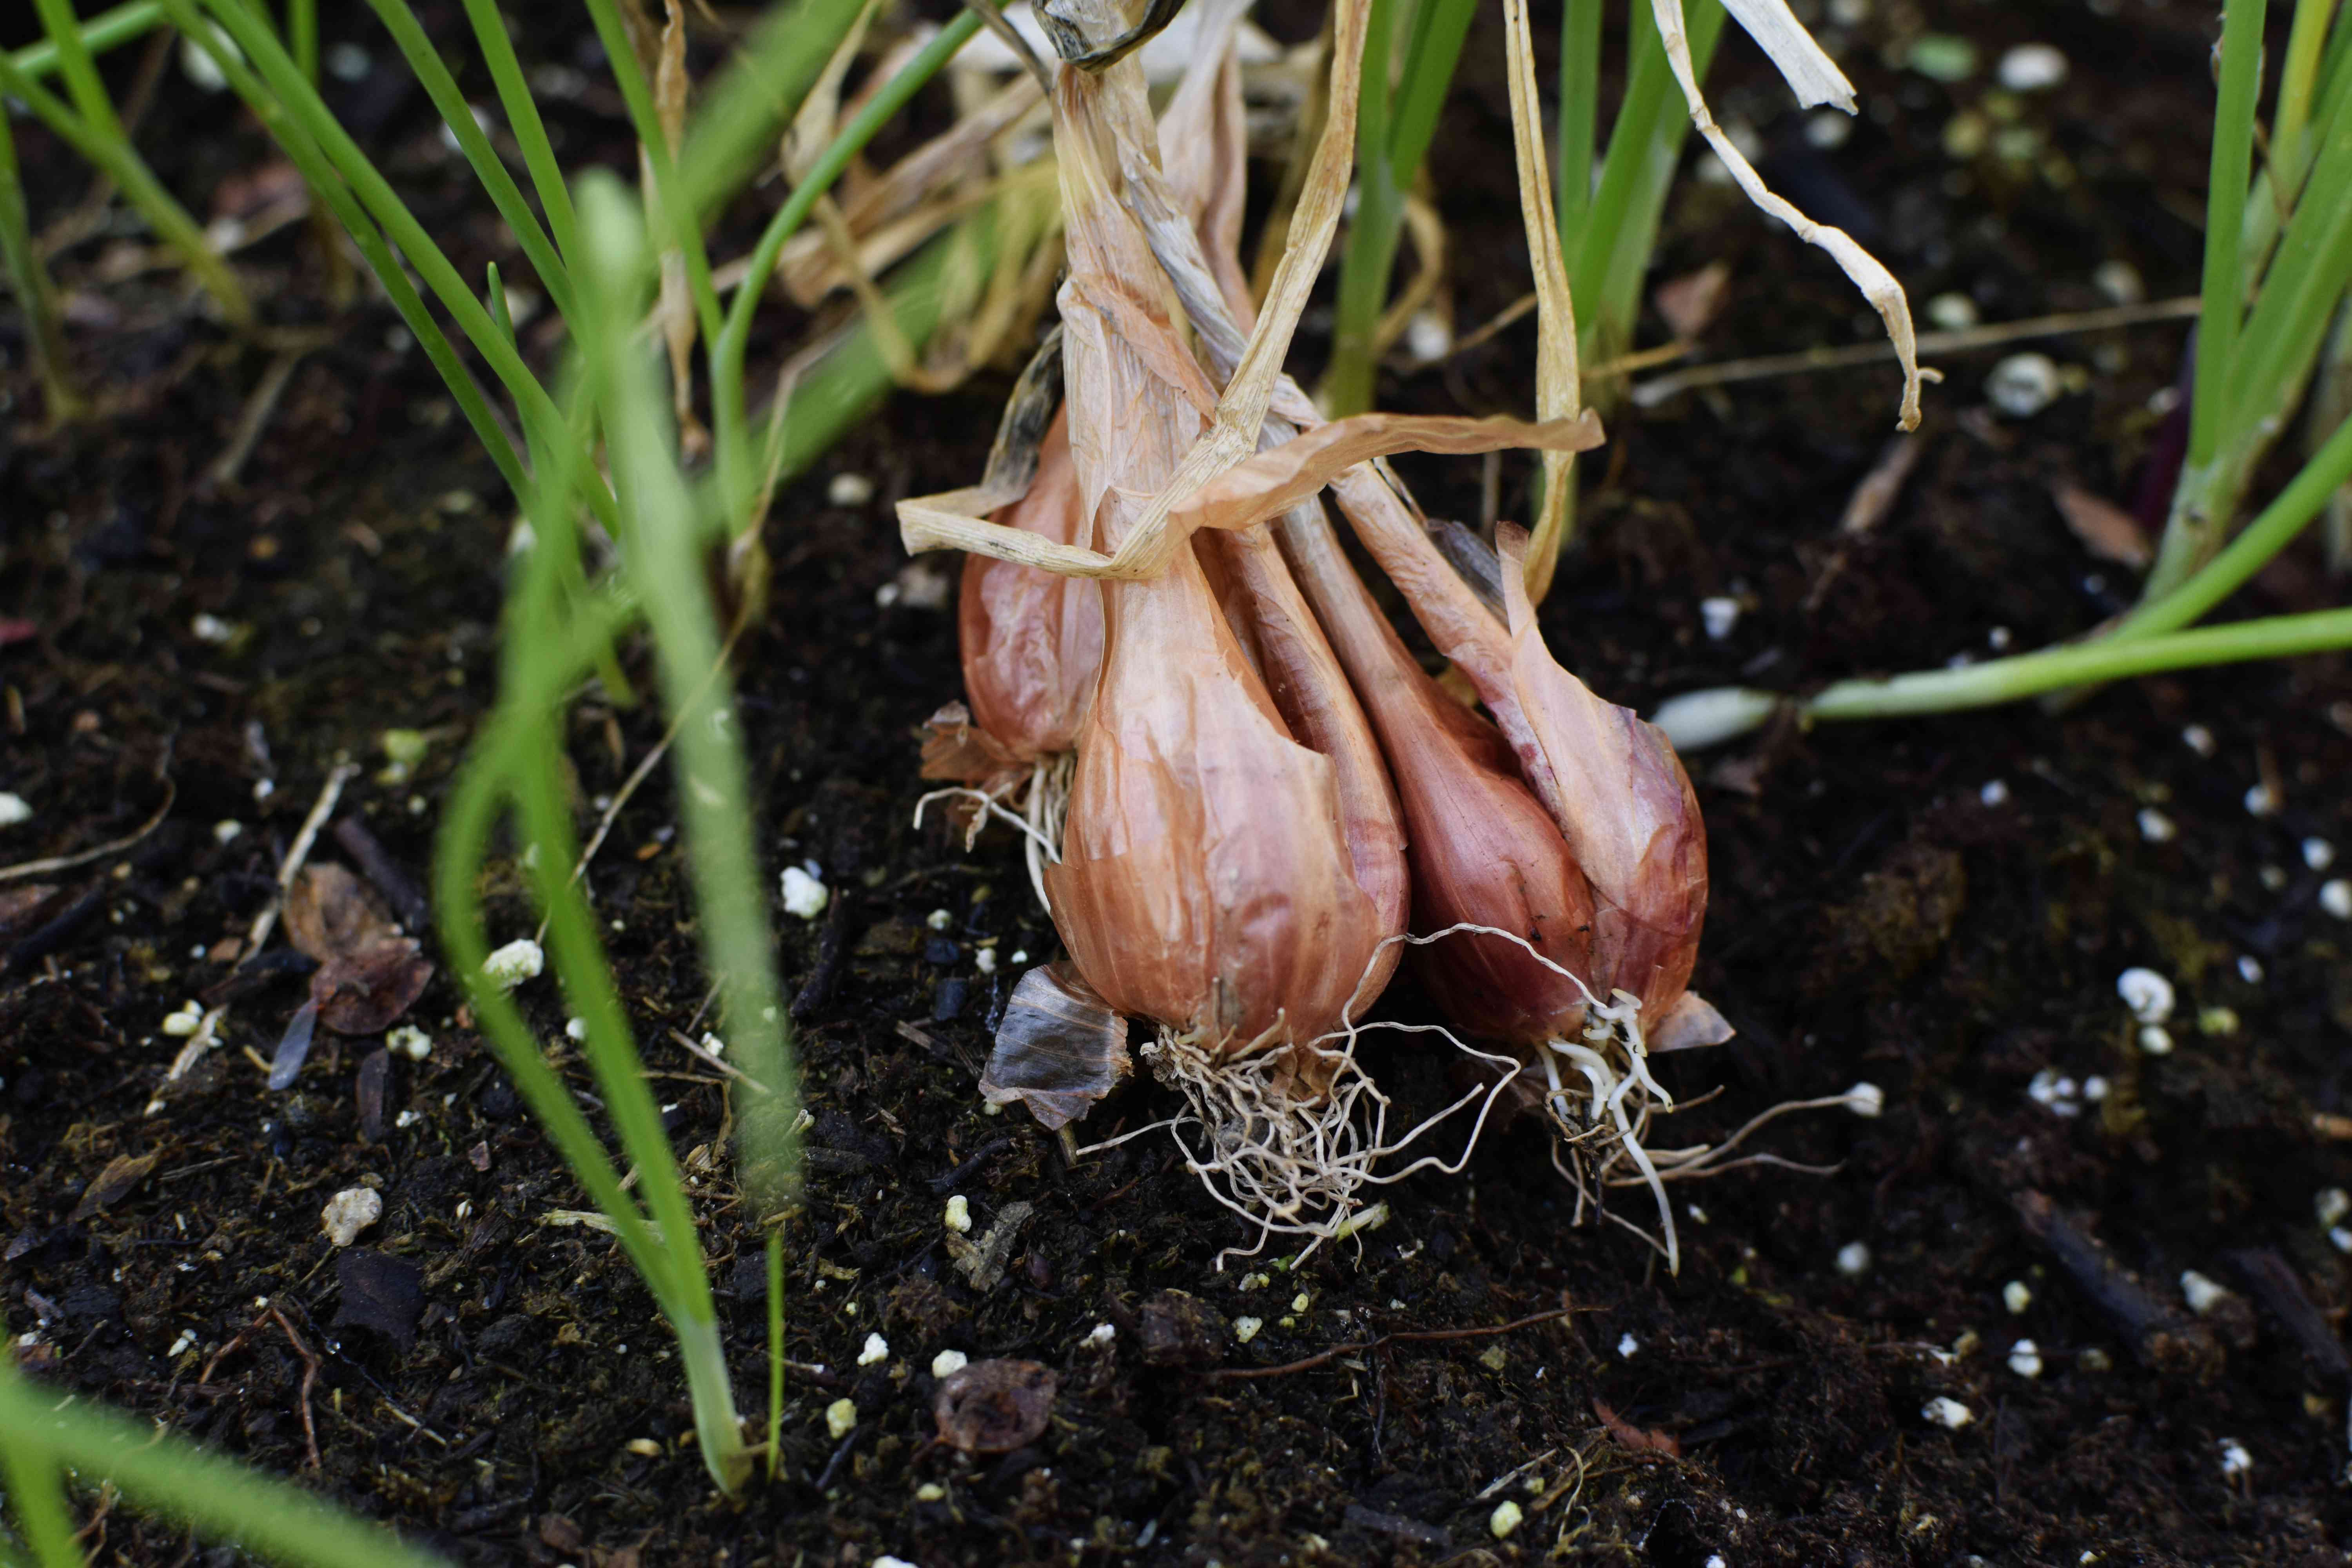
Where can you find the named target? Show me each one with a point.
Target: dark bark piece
(994, 1406)
(2161, 1338)
(382, 1294)
(398, 889)
(374, 1085)
(2272, 1280)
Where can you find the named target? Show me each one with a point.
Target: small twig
(254, 419)
(702, 1055)
(385, 872)
(1402, 1336)
(320, 809)
(83, 857)
(1650, 394)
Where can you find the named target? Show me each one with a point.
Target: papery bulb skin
(1032, 640)
(1481, 849)
(1626, 807)
(1206, 879)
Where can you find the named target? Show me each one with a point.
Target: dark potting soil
(1941, 907)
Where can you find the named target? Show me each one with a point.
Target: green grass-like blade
(107, 30)
(728, 350)
(2225, 213)
(523, 120)
(215, 1496)
(106, 148)
(458, 116)
(36, 295)
(1579, 114)
(287, 128)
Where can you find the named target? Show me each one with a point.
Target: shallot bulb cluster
(1271, 800)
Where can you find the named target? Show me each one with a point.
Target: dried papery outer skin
(1312, 692)
(1059, 1049)
(1206, 879)
(1482, 850)
(1031, 641)
(1629, 812)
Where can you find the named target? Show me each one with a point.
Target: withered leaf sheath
(1206, 880)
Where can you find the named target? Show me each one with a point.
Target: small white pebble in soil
(2203, 1294)
(2120, 281)
(1102, 1334)
(1245, 1328)
(2156, 827)
(2023, 385)
(2093, 1359)
(14, 809)
(1828, 129)
(2054, 1092)
(1854, 1259)
(2331, 1204)
(1427, 337)
(575, 1028)
(2148, 993)
(1020, 955)
(2235, 1460)
(2200, 740)
(2156, 1039)
(185, 1021)
(984, 961)
(2032, 67)
(1300, 1302)
(1504, 1519)
(213, 629)
(939, 920)
(2339, 1238)
(959, 1215)
(349, 1212)
(929, 1492)
(946, 1363)
(886, 1560)
(713, 1044)
(2335, 897)
(187, 1338)
(410, 1041)
(1995, 793)
(509, 966)
(1948, 1414)
(840, 1416)
(2319, 853)
(1953, 312)
(2016, 1295)
(2025, 1359)
(1627, 1347)
(2094, 1088)
(1999, 638)
(1718, 615)
(227, 830)
(803, 895)
(2272, 878)
(1867, 1099)
(849, 489)
(876, 1348)
(2250, 969)
(2262, 800)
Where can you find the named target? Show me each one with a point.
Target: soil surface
(1941, 907)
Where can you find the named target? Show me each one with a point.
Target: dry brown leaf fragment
(2106, 530)
(123, 1173)
(1637, 1439)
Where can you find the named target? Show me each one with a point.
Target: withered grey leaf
(982, 1262)
(1059, 1049)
